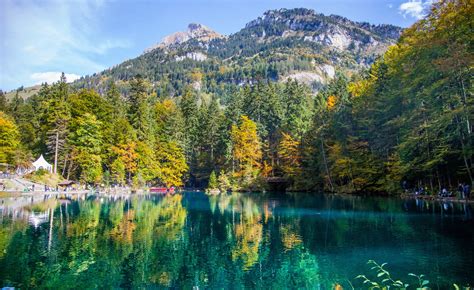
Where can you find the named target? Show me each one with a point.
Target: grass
(44, 177)
(25, 93)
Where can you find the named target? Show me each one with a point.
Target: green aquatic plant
(422, 283)
(386, 281)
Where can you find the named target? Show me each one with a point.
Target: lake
(237, 240)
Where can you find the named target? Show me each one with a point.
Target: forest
(407, 119)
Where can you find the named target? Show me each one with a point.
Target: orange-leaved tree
(126, 160)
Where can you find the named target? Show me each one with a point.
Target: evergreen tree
(114, 98)
(297, 108)
(57, 117)
(139, 113)
(86, 147)
(3, 101)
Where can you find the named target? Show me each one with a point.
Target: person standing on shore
(466, 191)
(405, 186)
(461, 190)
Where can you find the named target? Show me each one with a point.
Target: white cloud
(50, 36)
(415, 8)
(51, 77)
(390, 5)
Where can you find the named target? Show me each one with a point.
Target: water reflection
(252, 240)
(36, 219)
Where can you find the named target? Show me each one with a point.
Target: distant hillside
(23, 93)
(286, 43)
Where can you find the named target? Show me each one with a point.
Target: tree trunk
(56, 153)
(64, 166)
(439, 180)
(431, 184)
(69, 170)
(463, 146)
(466, 163)
(326, 165)
(465, 103)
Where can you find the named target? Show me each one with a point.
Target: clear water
(231, 241)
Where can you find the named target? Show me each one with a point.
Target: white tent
(42, 163)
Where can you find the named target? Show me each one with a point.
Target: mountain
(195, 31)
(286, 43)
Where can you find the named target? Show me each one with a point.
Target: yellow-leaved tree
(247, 152)
(290, 156)
(126, 162)
(171, 162)
(9, 138)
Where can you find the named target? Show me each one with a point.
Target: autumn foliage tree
(246, 151)
(171, 163)
(9, 138)
(126, 160)
(289, 152)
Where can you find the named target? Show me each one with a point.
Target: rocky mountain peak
(334, 32)
(195, 31)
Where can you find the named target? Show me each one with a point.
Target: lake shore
(111, 192)
(437, 198)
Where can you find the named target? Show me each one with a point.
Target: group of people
(464, 190)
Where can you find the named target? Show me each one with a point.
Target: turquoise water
(231, 241)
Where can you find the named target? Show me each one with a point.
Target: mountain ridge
(281, 44)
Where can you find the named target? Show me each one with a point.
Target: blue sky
(41, 38)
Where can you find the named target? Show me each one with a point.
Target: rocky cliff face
(333, 31)
(195, 31)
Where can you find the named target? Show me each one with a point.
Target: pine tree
(189, 110)
(139, 113)
(114, 99)
(57, 118)
(3, 101)
(297, 109)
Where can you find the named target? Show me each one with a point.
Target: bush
(213, 184)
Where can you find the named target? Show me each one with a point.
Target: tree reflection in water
(249, 240)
